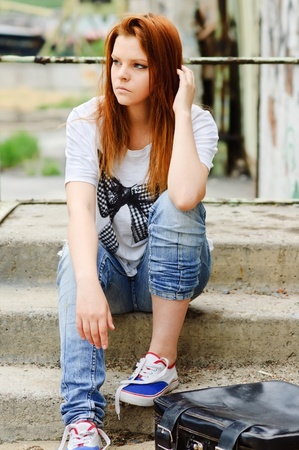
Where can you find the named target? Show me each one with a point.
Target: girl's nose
(123, 73)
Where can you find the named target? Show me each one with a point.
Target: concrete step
(226, 327)
(29, 398)
(256, 244)
(243, 328)
(31, 236)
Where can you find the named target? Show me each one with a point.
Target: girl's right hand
(93, 318)
(185, 95)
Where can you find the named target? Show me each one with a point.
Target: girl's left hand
(185, 95)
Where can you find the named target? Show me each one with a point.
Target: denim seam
(93, 370)
(102, 265)
(93, 384)
(64, 352)
(175, 296)
(135, 304)
(179, 247)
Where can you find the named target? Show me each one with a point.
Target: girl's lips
(122, 89)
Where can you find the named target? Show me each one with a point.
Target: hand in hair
(185, 95)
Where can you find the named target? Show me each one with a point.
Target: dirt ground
(54, 446)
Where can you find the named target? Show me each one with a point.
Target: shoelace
(149, 374)
(81, 440)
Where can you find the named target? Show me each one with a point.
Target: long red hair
(161, 42)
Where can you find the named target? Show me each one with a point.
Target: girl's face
(129, 72)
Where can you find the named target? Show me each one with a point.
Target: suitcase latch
(195, 445)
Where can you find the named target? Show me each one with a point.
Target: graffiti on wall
(279, 105)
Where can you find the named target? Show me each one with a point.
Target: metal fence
(231, 135)
(188, 61)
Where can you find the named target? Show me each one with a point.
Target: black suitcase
(259, 416)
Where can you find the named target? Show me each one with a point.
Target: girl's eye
(114, 61)
(140, 66)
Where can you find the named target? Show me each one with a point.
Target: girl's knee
(164, 214)
(177, 241)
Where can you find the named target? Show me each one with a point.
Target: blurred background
(256, 107)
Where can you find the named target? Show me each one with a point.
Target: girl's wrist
(181, 113)
(86, 279)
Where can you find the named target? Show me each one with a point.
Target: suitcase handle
(231, 434)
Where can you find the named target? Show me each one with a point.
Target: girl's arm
(187, 176)
(93, 314)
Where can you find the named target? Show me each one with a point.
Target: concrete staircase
(243, 328)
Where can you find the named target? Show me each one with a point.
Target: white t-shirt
(123, 201)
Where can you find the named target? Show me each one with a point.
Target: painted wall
(279, 102)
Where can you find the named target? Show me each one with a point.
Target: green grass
(50, 168)
(18, 148)
(46, 167)
(21, 150)
(45, 3)
(68, 102)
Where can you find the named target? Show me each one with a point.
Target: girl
(137, 162)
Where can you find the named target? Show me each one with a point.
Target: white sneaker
(152, 377)
(84, 435)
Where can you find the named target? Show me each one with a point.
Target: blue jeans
(176, 266)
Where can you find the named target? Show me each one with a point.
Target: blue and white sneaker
(152, 377)
(84, 435)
